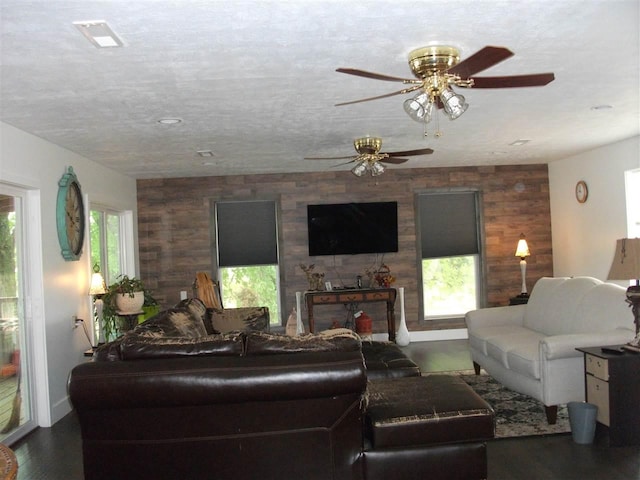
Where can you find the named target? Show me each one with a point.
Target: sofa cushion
(386, 360)
(553, 304)
(240, 319)
(479, 336)
(134, 346)
(260, 343)
(174, 322)
(499, 346)
(198, 309)
(525, 359)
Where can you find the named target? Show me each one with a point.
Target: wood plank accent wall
(175, 232)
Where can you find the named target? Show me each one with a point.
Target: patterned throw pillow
(135, 347)
(245, 319)
(259, 343)
(175, 322)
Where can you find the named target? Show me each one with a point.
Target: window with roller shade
(449, 239)
(247, 254)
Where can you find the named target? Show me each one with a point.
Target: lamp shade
(98, 286)
(522, 250)
(626, 260)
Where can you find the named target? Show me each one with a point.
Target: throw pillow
(240, 319)
(135, 347)
(259, 343)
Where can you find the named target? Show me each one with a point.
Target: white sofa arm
(564, 346)
(495, 316)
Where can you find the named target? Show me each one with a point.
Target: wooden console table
(361, 295)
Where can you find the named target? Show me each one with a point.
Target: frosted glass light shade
(419, 108)
(454, 104)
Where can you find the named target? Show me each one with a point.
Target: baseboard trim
(430, 335)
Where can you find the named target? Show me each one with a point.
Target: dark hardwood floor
(56, 453)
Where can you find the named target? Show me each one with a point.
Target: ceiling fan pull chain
(437, 133)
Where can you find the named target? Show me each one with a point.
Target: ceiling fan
(437, 68)
(370, 158)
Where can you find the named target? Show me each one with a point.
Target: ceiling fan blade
(330, 158)
(344, 163)
(399, 92)
(481, 60)
(394, 160)
(534, 80)
(409, 153)
(375, 76)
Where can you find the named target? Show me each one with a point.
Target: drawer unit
(598, 367)
(324, 298)
(612, 383)
(350, 297)
(598, 394)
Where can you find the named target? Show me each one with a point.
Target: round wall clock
(70, 216)
(582, 192)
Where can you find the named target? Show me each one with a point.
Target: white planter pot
(127, 304)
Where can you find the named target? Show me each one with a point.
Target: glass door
(16, 412)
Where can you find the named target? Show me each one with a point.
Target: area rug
(517, 415)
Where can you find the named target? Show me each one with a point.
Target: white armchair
(532, 348)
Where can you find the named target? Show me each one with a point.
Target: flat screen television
(352, 228)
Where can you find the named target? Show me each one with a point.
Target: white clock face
(74, 218)
(581, 192)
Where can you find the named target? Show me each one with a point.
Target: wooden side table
(612, 382)
(129, 319)
(521, 299)
(361, 295)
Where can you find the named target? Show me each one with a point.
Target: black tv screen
(352, 228)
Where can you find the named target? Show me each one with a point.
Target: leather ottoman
(434, 424)
(386, 360)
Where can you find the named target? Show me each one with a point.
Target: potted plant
(124, 298)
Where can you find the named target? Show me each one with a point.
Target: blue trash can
(582, 418)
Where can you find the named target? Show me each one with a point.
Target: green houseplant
(125, 288)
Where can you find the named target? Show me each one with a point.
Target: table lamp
(97, 290)
(626, 266)
(522, 251)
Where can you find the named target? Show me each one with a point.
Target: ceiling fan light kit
(437, 68)
(370, 158)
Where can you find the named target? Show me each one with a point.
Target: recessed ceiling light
(517, 143)
(99, 33)
(170, 121)
(601, 107)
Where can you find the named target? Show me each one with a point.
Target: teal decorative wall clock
(70, 216)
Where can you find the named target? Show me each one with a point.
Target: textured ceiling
(255, 81)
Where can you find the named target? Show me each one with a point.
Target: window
(107, 247)
(247, 255)
(450, 253)
(106, 243)
(632, 187)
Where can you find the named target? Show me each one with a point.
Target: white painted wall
(584, 235)
(34, 164)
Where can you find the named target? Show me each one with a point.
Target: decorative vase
(299, 324)
(128, 304)
(291, 328)
(402, 335)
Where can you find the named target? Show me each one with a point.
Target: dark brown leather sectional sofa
(170, 400)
